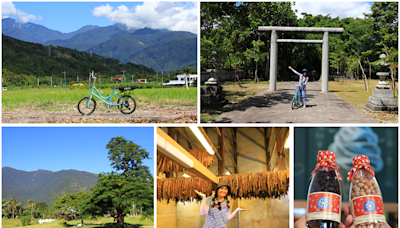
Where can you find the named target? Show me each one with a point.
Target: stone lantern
(212, 94)
(213, 65)
(382, 98)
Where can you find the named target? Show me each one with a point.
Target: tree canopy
(129, 186)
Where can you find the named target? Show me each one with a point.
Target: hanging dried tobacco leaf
(248, 185)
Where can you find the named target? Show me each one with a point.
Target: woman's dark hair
(216, 193)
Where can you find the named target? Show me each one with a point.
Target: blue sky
(62, 148)
(71, 16)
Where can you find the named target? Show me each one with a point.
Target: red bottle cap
(326, 159)
(359, 162)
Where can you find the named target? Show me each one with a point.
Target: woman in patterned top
(303, 79)
(217, 207)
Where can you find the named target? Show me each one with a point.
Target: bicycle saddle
(117, 79)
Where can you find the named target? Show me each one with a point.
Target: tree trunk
(120, 218)
(31, 212)
(82, 220)
(13, 213)
(120, 221)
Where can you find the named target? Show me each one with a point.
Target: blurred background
(380, 144)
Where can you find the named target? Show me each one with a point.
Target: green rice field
(66, 99)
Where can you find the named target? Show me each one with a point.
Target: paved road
(275, 107)
(183, 113)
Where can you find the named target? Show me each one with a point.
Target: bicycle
(126, 103)
(296, 98)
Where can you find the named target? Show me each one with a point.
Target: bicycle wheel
(128, 104)
(84, 108)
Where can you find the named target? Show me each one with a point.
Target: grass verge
(355, 93)
(101, 222)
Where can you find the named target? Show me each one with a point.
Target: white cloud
(334, 9)
(8, 9)
(155, 15)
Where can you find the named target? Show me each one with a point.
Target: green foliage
(231, 28)
(26, 220)
(130, 184)
(30, 60)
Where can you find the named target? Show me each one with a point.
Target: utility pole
(38, 81)
(51, 81)
(123, 75)
(65, 79)
(49, 51)
(90, 53)
(162, 78)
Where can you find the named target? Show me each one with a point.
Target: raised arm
(229, 216)
(204, 207)
(294, 71)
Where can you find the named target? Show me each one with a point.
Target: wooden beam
(209, 142)
(274, 152)
(186, 137)
(268, 156)
(230, 155)
(233, 134)
(198, 169)
(218, 132)
(271, 147)
(234, 148)
(221, 162)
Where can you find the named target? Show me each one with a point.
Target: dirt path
(181, 114)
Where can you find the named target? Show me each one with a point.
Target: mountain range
(43, 185)
(115, 41)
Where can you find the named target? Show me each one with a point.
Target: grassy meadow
(100, 222)
(355, 93)
(66, 99)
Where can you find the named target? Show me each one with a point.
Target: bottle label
(368, 209)
(323, 205)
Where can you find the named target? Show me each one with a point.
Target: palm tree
(20, 209)
(4, 206)
(13, 203)
(31, 205)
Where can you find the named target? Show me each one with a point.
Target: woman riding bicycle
(303, 79)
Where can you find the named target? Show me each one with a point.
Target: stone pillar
(274, 61)
(325, 63)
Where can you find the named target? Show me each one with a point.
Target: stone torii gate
(274, 49)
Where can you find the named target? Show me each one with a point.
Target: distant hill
(40, 33)
(121, 47)
(146, 32)
(44, 186)
(88, 39)
(21, 35)
(33, 59)
(169, 56)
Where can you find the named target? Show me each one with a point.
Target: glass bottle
(324, 193)
(366, 203)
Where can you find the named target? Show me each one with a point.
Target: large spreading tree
(131, 183)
